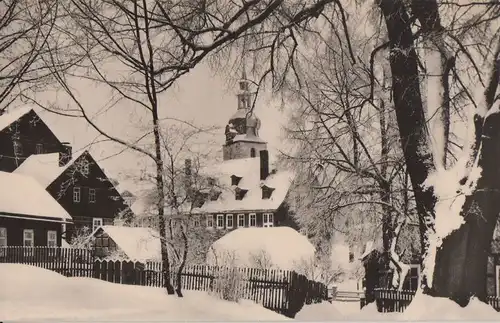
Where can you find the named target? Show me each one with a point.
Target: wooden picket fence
(282, 291)
(391, 300)
(65, 261)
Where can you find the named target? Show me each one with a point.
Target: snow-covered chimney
(65, 154)
(264, 164)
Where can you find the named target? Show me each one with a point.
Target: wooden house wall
(15, 228)
(105, 206)
(31, 131)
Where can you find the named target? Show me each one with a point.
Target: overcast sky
(201, 96)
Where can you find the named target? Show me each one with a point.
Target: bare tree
(149, 46)
(25, 33)
(357, 185)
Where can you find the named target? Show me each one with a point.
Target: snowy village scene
(249, 160)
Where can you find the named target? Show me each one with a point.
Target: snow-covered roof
(8, 118)
(138, 244)
(284, 247)
(247, 137)
(45, 167)
(249, 171)
(23, 195)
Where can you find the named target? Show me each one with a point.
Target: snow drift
(275, 247)
(29, 293)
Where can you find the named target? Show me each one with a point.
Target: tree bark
(409, 111)
(461, 262)
(160, 187)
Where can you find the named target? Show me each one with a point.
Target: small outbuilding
(265, 248)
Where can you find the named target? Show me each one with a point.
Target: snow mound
(444, 309)
(30, 293)
(278, 247)
(324, 311)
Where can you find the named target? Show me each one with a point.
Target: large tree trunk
(409, 110)
(461, 262)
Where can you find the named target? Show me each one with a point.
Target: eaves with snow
(23, 197)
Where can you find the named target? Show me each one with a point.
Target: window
(268, 220)
(241, 220)
(28, 238)
(412, 279)
(18, 148)
(210, 221)
(91, 195)
(229, 221)
(51, 238)
(39, 149)
(253, 220)
(240, 194)
(252, 152)
(96, 222)
(28, 241)
(196, 222)
(3, 241)
(220, 221)
(235, 180)
(76, 194)
(267, 192)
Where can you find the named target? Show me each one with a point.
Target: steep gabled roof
(45, 167)
(249, 171)
(138, 244)
(23, 195)
(10, 117)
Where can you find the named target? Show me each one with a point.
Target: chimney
(65, 154)
(264, 164)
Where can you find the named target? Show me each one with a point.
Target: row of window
(228, 220)
(18, 148)
(29, 238)
(77, 194)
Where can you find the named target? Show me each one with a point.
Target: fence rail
(282, 291)
(391, 300)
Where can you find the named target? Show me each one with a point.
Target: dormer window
(214, 195)
(235, 180)
(267, 192)
(240, 193)
(252, 152)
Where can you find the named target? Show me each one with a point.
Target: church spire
(244, 96)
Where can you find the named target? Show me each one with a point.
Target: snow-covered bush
(80, 238)
(261, 260)
(228, 280)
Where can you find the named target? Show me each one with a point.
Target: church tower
(242, 130)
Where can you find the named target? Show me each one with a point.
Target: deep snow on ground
(31, 293)
(422, 308)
